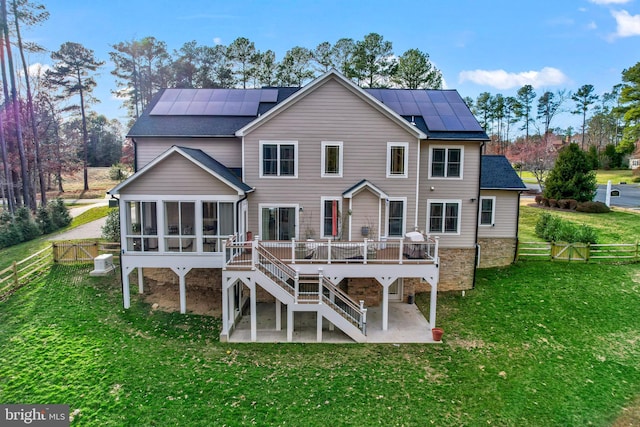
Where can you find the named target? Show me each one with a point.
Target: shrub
(9, 234)
(538, 199)
(44, 221)
(59, 213)
(553, 203)
(554, 229)
(545, 202)
(570, 204)
(25, 223)
(592, 207)
(111, 227)
(118, 172)
(636, 179)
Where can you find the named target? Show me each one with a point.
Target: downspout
(135, 155)
(415, 222)
(238, 219)
(475, 265)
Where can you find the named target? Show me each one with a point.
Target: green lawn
(618, 226)
(602, 176)
(536, 344)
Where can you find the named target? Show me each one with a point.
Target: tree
(342, 52)
(322, 56)
(483, 109)
(525, 97)
(572, 177)
(294, 69)
(240, 52)
(583, 98)
(267, 67)
(630, 108)
(373, 61)
(537, 155)
(415, 71)
(548, 106)
(71, 72)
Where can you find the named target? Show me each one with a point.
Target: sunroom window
(217, 224)
(179, 226)
(141, 226)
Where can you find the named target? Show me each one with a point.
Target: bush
(636, 179)
(118, 172)
(44, 221)
(111, 227)
(553, 203)
(59, 214)
(538, 199)
(593, 207)
(554, 229)
(9, 235)
(25, 223)
(570, 204)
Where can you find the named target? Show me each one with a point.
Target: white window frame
(404, 216)
(390, 147)
(278, 144)
(447, 148)
(262, 206)
(323, 170)
(324, 235)
(444, 202)
(493, 211)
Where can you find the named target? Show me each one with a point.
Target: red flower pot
(437, 333)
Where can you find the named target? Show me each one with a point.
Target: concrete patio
(406, 325)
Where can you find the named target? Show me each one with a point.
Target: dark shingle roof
(498, 174)
(216, 167)
(166, 125)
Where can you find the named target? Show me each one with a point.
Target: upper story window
(446, 162)
(331, 158)
(487, 210)
(444, 216)
(279, 159)
(397, 159)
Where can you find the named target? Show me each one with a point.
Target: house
(634, 159)
(326, 199)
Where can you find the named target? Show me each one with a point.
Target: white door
(395, 290)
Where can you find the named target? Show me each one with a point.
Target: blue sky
(493, 46)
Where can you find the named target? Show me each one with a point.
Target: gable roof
(498, 174)
(200, 159)
(352, 191)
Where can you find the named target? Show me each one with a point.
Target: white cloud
(217, 40)
(592, 25)
(501, 79)
(628, 25)
(605, 2)
(35, 70)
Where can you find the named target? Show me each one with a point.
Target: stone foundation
(457, 266)
(367, 289)
(497, 252)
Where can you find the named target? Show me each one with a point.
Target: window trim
(493, 211)
(322, 230)
(278, 144)
(404, 216)
(405, 146)
(447, 148)
(296, 207)
(323, 159)
(444, 202)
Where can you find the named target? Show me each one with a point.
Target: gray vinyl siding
(331, 112)
(506, 214)
(227, 151)
(365, 207)
(176, 175)
(452, 189)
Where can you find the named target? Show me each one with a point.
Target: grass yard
(618, 226)
(535, 344)
(602, 176)
(73, 185)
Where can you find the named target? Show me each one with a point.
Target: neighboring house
(634, 159)
(337, 198)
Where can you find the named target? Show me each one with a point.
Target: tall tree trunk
(6, 146)
(16, 112)
(32, 116)
(85, 134)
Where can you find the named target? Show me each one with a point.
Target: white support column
(385, 307)
(225, 307)
(319, 330)
(289, 323)
(126, 298)
(278, 315)
(254, 312)
(183, 295)
(231, 311)
(432, 308)
(140, 280)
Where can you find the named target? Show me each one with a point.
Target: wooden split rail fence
(20, 272)
(613, 252)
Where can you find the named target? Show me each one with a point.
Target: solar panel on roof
(434, 122)
(436, 96)
(235, 95)
(179, 107)
(389, 96)
(452, 96)
(443, 109)
(170, 95)
(252, 95)
(451, 122)
(470, 124)
(405, 96)
(186, 95)
(219, 95)
(420, 96)
(196, 108)
(162, 108)
(410, 109)
(203, 95)
(269, 95)
(248, 109)
(214, 108)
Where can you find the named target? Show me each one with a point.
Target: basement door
(395, 291)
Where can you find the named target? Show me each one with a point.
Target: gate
(69, 252)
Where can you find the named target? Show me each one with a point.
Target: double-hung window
(278, 159)
(446, 162)
(397, 159)
(444, 216)
(487, 210)
(331, 158)
(395, 222)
